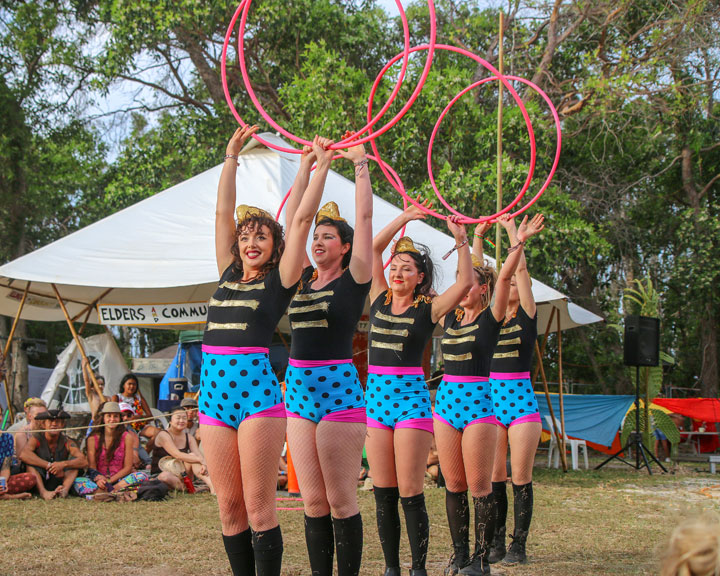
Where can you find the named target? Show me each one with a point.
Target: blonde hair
(694, 548)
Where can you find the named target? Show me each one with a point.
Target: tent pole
(499, 200)
(90, 306)
(78, 342)
(563, 459)
(541, 352)
(7, 350)
(85, 321)
(560, 385)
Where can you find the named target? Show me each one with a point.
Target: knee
(316, 503)
(343, 505)
(171, 480)
(262, 515)
(455, 482)
(480, 489)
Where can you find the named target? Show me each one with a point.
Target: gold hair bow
(405, 244)
(329, 211)
(244, 211)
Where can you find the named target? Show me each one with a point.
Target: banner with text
(152, 314)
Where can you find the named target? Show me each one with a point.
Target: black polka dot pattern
(461, 404)
(392, 399)
(513, 399)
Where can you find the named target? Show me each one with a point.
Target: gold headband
(476, 263)
(244, 211)
(329, 211)
(405, 244)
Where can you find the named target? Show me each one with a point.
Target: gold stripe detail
(228, 326)
(510, 330)
(302, 309)
(375, 330)
(461, 331)
(513, 354)
(309, 324)
(312, 296)
(509, 342)
(235, 303)
(450, 341)
(457, 357)
(242, 287)
(388, 345)
(394, 319)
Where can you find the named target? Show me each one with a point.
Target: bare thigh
(260, 442)
(301, 443)
(411, 451)
(380, 449)
(523, 439)
(500, 466)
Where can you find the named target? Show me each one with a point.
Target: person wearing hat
(110, 452)
(241, 411)
(403, 315)
(53, 458)
(464, 420)
(323, 396)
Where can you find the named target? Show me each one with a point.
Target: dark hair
(177, 408)
(486, 275)
(425, 266)
(127, 378)
(346, 233)
(254, 222)
(99, 433)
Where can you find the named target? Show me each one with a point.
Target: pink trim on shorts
(523, 420)
(451, 378)
(316, 363)
(416, 423)
(277, 411)
(485, 420)
(227, 350)
(352, 415)
(442, 420)
(510, 375)
(210, 421)
(396, 370)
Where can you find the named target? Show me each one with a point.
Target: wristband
(360, 164)
(233, 156)
(457, 247)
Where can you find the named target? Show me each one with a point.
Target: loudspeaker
(642, 341)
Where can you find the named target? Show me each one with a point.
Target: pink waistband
(524, 419)
(316, 363)
(510, 375)
(451, 378)
(227, 350)
(396, 370)
(352, 415)
(414, 423)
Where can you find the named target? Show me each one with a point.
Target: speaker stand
(635, 440)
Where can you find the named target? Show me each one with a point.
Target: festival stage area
(614, 521)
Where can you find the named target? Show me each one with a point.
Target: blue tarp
(591, 417)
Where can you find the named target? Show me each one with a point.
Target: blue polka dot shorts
(234, 387)
(464, 400)
(513, 398)
(396, 401)
(320, 392)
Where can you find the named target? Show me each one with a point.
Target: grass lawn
(614, 521)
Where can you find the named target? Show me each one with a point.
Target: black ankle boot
(392, 571)
(498, 550)
(516, 552)
(459, 559)
(479, 566)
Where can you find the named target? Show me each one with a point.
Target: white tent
(160, 252)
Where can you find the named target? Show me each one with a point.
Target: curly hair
(425, 266)
(254, 222)
(486, 275)
(694, 548)
(346, 233)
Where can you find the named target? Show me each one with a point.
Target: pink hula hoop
(487, 65)
(245, 7)
(452, 103)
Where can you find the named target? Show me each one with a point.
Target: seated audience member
(141, 459)
(93, 398)
(191, 409)
(16, 486)
(130, 394)
(53, 458)
(433, 464)
(110, 452)
(694, 548)
(33, 407)
(282, 481)
(177, 443)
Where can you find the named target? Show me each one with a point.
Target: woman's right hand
(412, 212)
(482, 228)
(101, 481)
(321, 148)
(239, 138)
(308, 156)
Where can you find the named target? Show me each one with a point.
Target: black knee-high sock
(523, 505)
(388, 521)
(240, 553)
(418, 528)
(458, 515)
(349, 540)
(501, 503)
(484, 523)
(268, 547)
(320, 541)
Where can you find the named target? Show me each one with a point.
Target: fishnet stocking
(523, 440)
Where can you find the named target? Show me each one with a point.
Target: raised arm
(478, 248)
(518, 237)
(361, 261)
(225, 207)
(446, 301)
(382, 241)
(298, 189)
(291, 263)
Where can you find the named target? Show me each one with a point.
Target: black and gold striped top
(399, 340)
(245, 314)
(468, 348)
(515, 347)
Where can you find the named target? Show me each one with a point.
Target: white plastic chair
(575, 445)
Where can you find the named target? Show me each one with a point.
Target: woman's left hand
(204, 470)
(354, 153)
(529, 229)
(456, 229)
